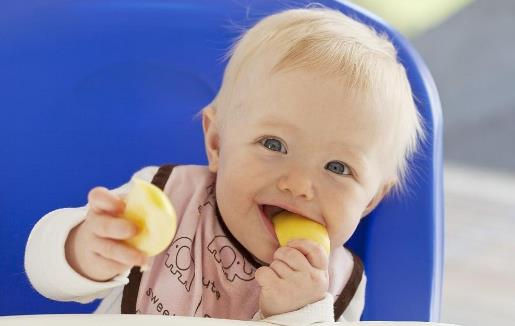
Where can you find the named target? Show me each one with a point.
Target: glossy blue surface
(91, 91)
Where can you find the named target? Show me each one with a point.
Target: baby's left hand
(297, 276)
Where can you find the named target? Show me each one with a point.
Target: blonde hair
(328, 41)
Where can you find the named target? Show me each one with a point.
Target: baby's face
(298, 144)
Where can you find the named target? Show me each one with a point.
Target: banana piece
(292, 226)
(150, 209)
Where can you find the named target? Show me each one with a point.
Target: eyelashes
(273, 144)
(338, 167)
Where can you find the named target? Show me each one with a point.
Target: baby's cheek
(343, 227)
(234, 178)
(338, 237)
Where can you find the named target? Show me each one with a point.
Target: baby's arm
(58, 244)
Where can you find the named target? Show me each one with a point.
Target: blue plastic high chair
(92, 90)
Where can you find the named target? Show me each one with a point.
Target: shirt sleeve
(45, 261)
(317, 312)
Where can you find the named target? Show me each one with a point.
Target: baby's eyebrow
(357, 157)
(275, 123)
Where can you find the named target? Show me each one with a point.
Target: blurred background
(469, 47)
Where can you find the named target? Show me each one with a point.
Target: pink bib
(205, 271)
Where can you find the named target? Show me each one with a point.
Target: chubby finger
(314, 252)
(106, 226)
(281, 269)
(293, 258)
(118, 251)
(266, 277)
(101, 200)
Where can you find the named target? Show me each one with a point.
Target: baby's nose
(299, 184)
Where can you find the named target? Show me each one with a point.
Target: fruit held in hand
(292, 226)
(150, 209)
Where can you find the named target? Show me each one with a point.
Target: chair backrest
(92, 90)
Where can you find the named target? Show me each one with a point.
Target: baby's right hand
(95, 248)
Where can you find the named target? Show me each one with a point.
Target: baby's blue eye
(338, 167)
(273, 145)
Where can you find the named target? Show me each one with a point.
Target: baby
(314, 116)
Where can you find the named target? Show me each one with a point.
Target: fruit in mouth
(150, 209)
(290, 226)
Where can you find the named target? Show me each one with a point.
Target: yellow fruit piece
(150, 209)
(289, 226)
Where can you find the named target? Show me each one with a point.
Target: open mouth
(271, 210)
(267, 213)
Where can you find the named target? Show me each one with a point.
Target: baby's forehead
(309, 98)
(311, 91)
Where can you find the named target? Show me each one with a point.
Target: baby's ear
(211, 137)
(383, 191)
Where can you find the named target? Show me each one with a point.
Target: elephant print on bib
(180, 261)
(232, 262)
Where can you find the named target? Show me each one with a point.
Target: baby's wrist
(319, 311)
(70, 250)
